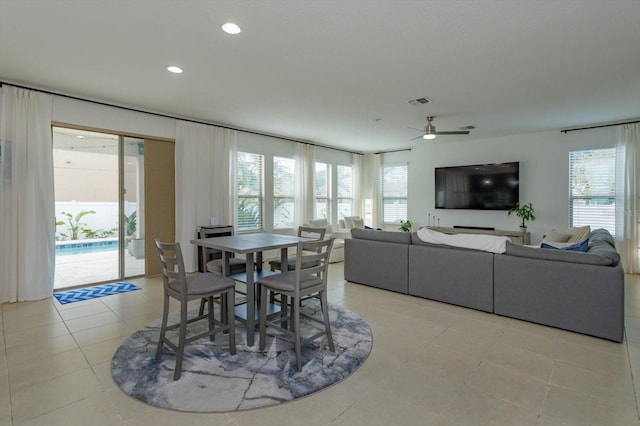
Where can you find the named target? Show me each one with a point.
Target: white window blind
(345, 190)
(592, 188)
(250, 191)
(323, 191)
(393, 184)
(283, 192)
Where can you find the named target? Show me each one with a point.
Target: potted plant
(525, 212)
(405, 225)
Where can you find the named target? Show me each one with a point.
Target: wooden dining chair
(308, 277)
(201, 285)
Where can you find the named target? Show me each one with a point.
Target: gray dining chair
(303, 231)
(185, 288)
(308, 277)
(213, 258)
(215, 262)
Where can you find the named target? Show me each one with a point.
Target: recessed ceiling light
(174, 69)
(231, 28)
(79, 136)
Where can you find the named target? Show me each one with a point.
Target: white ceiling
(338, 73)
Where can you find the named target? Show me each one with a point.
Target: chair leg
(263, 317)
(202, 302)
(295, 311)
(163, 327)
(230, 299)
(211, 318)
(283, 311)
(325, 314)
(181, 339)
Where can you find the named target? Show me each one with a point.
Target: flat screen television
(478, 187)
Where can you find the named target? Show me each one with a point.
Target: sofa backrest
(385, 236)
(602, 254)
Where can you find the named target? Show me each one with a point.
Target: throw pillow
(578, 235)
(559, 237)
(348, 221)
(318, 223)
(358, 223)
(583, 246)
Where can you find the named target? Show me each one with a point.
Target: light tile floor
(431, 364)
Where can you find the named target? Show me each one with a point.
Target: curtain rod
(158, 114)
(565, 131)
(395, 150)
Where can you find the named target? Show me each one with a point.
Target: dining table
(251, 245)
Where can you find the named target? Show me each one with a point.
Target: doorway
(99, 195)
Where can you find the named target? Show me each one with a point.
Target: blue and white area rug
(213, 380)
(80, 294)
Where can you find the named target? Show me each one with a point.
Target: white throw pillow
(348, 221)
(578, 235)
(560, 237)
(318, 223)
(358, 223)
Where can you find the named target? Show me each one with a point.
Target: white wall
(544, 175)
(88, 114)
(543, 161)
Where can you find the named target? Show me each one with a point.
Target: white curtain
(627, 213)
(371, 187)
(304, 184)
(358, 201)
(205, 181)
(27, 201)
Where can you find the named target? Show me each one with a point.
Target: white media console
(516, 237)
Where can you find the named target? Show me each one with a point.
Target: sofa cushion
(386, 236)
(593, 258)
(602, 235)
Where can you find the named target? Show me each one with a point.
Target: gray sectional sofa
(576, 291)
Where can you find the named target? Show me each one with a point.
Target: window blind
(592, 189)
(250, 191)
(322, 186)
(393, 184)
(345, 190)
(283, 192)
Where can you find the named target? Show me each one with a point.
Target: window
(322, 191)
(250, 191)
(592, 188)
(345, 191)
(394, 192)
(283, 192)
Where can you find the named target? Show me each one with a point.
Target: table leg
(226, 271)
(284, 267)
(251, 301)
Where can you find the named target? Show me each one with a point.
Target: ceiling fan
(430, 131)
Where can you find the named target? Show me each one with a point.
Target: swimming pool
(92, 246)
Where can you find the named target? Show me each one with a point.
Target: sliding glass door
(98, 190)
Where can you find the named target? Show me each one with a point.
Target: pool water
(86, 247)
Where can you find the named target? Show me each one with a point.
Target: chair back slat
(172, 264)
(312, 260)
(310, 232)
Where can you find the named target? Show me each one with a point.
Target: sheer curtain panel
(27, 201)
(304, 184)
(370, 188)
(205, 178)
(627, 214)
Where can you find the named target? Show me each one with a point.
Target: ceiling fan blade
(455, 132)
(416, 138)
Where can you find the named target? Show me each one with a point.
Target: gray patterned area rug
(213, 380)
